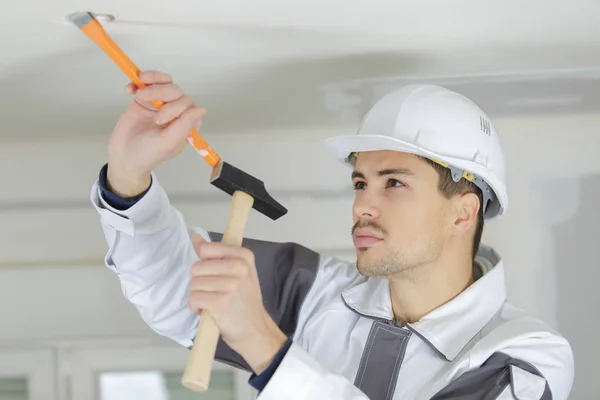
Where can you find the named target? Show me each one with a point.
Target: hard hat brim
(342, 146)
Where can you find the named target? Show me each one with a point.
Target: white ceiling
(276, 64)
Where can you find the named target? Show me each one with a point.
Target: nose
(365, 207)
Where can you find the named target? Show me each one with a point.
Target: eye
(359, 185)
(394, 183)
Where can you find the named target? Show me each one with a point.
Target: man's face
(401, 221)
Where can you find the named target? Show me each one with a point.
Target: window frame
(83, 364)
(36, 365)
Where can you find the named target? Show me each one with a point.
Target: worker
(421, 314)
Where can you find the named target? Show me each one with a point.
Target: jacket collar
(451, 326)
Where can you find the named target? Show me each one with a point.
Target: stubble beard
(395, 264)
(391, 264)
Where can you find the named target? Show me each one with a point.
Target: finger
(224, 284)
(145, 104)
(152, 77)
(200, 301)
(173, 110)
(220, 250)
(228, 267)
(163, 92)
(180, 128)
(197, 242)
(131, 88)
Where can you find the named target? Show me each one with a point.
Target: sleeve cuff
(259, 382)
(150, 213)
(111, 198)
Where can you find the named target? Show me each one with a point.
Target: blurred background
(277, 79)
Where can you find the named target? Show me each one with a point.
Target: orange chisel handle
(98, 35)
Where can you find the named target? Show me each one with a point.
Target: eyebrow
(384, 172)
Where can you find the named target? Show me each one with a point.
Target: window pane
(156, 385)
(222, 387)
(13, 389)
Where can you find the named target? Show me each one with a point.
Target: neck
(422, 289)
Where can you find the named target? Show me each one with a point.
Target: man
(421, 315)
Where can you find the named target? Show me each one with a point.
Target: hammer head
(231, 179)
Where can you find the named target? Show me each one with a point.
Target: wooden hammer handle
(197, 373)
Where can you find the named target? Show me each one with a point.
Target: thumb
(197, 242)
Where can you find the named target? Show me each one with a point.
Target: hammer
(247, 192)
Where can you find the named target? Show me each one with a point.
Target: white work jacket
(346, 344)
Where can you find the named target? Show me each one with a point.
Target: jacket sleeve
(300, 376)
(150, 251)
(538, 368)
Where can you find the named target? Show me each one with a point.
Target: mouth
(364, 238)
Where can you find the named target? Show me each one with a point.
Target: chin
(370, 272)
(368, 266)
(377, 264)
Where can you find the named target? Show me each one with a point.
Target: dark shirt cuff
(114, 200)
(259, 382)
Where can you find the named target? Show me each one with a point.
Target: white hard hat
(439, 124)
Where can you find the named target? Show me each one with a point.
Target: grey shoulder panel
(488, 381)
(286, 272)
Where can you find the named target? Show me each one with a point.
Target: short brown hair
(449, 188)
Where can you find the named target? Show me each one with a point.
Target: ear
(466, 210)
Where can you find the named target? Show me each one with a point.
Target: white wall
(48, 184)
(53, 285)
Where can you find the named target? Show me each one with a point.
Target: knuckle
(150, 75)
(141, 93)
(164, 76)
(155, 91)
(204, 251)
(192, 286)
(248, 254)
(195, 282)
(242, 269)
(176, 90)
(195, 269)
(147, 93)
(187, 101)
(181, 105)
(155, 75)
(147, 75)
(194, 300)
(164, 115)
(190, 117)
(231, 287)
